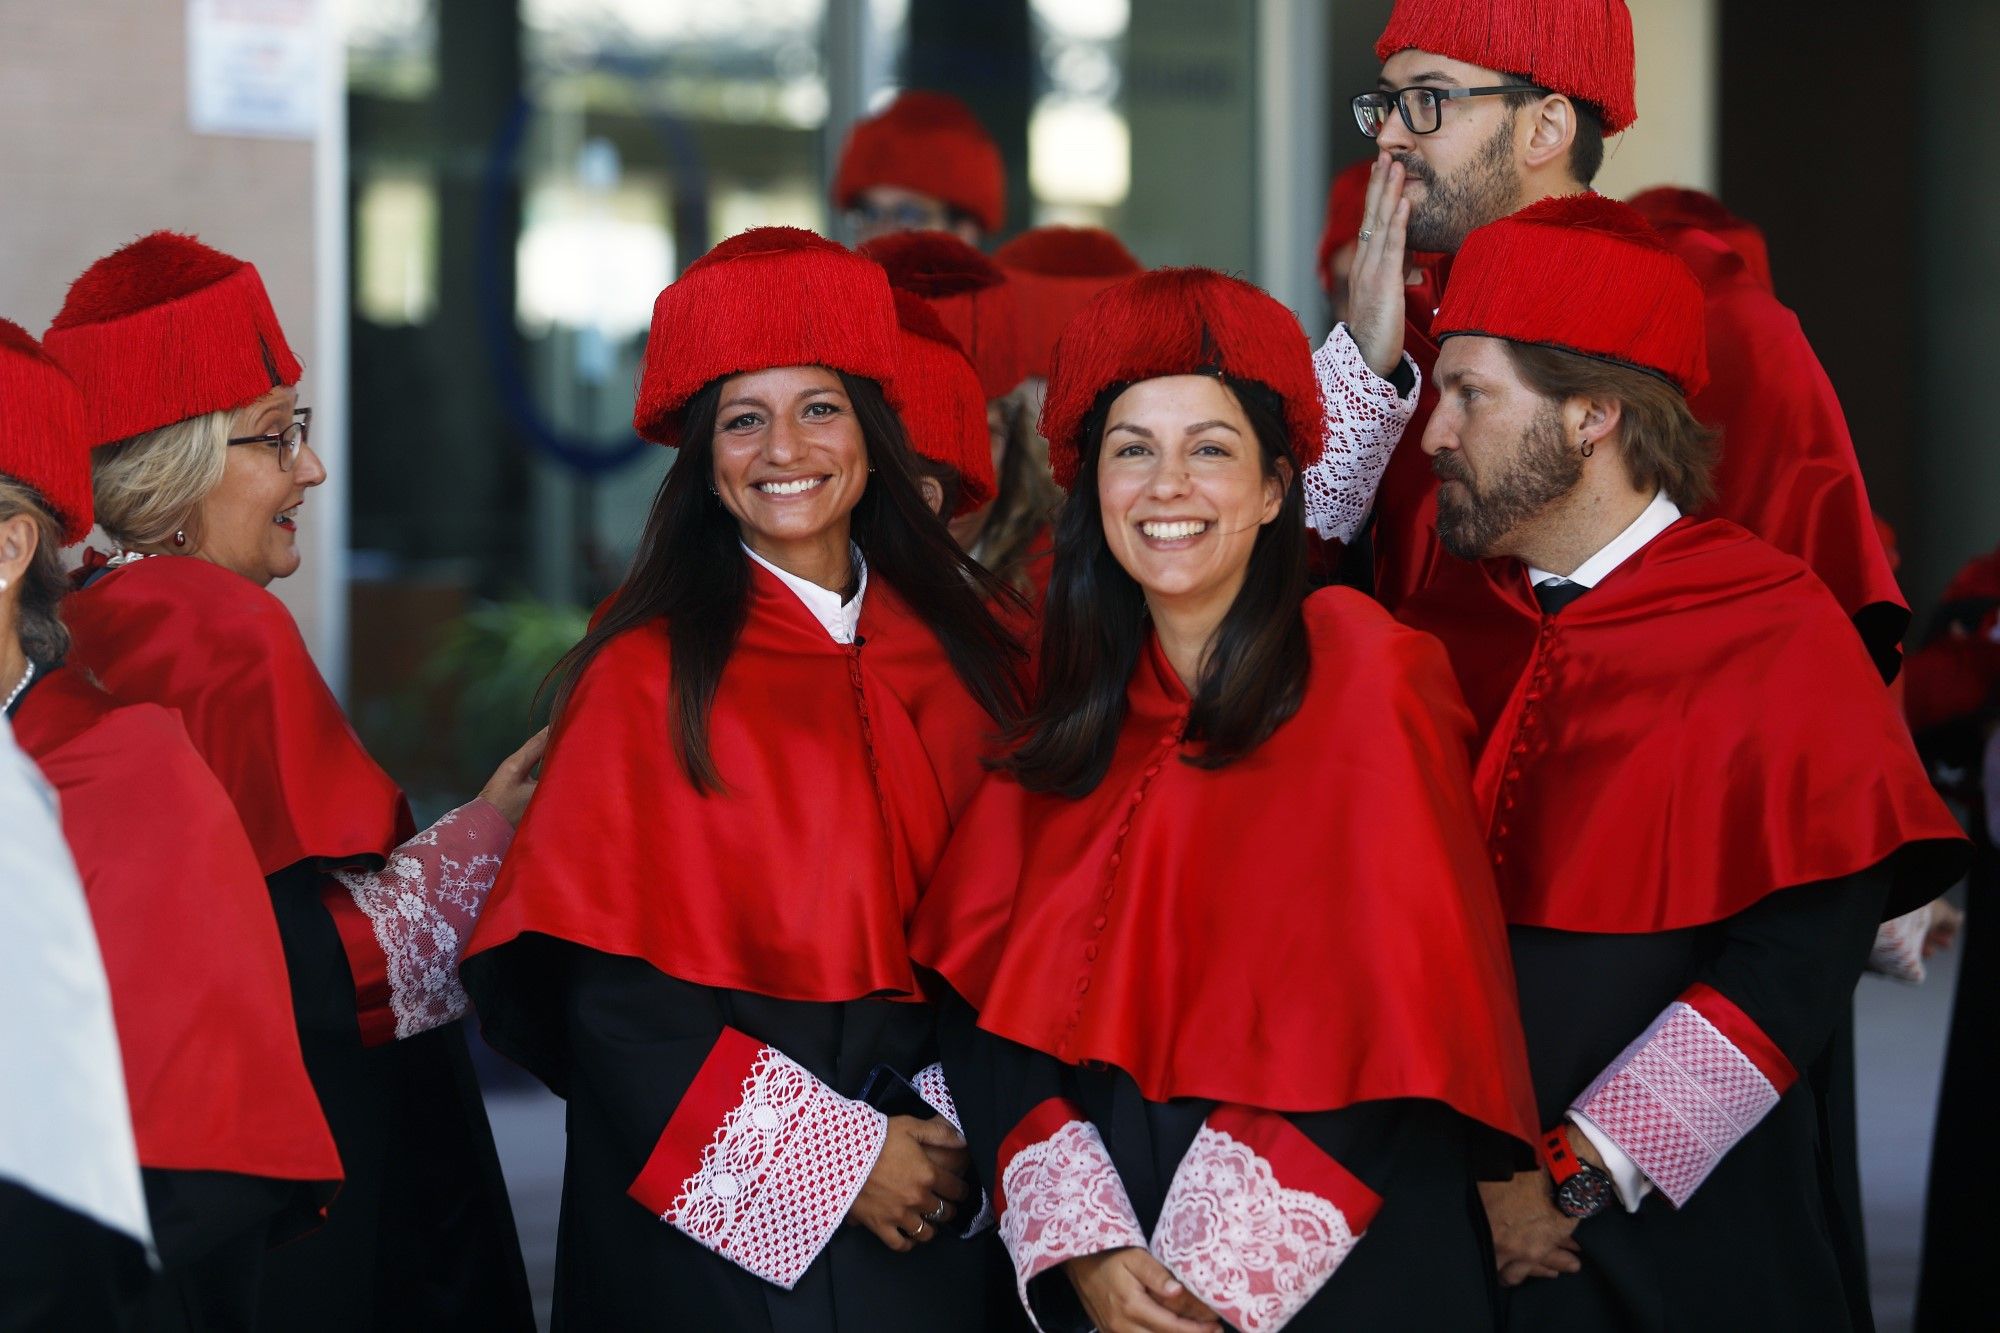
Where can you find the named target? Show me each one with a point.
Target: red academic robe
(1699, 802)
(695, 972)
(422, 1223)
(1307, 930)
(1787, 470)
(198, 986)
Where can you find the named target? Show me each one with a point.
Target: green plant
(486, 672)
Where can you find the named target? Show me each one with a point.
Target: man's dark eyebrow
(1428, 76)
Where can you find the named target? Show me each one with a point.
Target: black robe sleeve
(61, 1271)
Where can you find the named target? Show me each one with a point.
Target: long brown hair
(690, 569)
(1025, 497)
(1663, 446)
(1094, 628)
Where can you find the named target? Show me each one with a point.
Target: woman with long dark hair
(1225, 976)
(759, 752)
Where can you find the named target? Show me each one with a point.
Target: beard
(1544, 468)
(1485, 190)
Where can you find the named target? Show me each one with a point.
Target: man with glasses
(925, 163)
(1486, 106)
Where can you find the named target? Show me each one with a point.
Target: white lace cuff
(1687, 1090)
(1060, 1197)
(930, 1086)
(404, 926)
(1899, 946)
(1365, 418)
(1258, 1217)
(761, 1160)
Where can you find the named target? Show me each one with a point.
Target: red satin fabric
(1787, 470)
(190, 635)
(1701, 729)
(844, 770)
(198, 987)
(1309, 927)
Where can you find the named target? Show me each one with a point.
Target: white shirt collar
(840, 619)
(1653, 520)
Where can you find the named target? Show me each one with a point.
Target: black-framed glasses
(1421, 108)
(288, 441)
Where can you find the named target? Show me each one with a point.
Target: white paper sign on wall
(253, 67)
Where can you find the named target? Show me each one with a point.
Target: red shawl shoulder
(197, 973)
(844, 770)
(228, 656)
(1700, 730)
(1309, 927)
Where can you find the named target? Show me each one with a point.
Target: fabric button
(1499, 858)
(1124, 828)
(1114, 860)
(1514, 774)
(764, 1118)
(1082, 985)
(1090, 953)
(723, 1185)
(1097, 922)
(1500, 831)
(1520, 747)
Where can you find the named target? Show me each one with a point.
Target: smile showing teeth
(1173, 532)
(799, 487)
(289, 518)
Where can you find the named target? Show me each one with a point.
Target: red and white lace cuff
(931, 1086)
(1059, 1196)
(1899, 946)
(1687, 1090)
(1258, 1217)
(1365, 417)
(761, 1161)
(404, 926)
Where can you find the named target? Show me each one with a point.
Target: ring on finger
(936, 1215)
(1365, 234)
(923, 1225)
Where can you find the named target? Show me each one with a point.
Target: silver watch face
(1585, 1193)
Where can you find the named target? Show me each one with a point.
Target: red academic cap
(930, 143)
(42, 441)
(1579, 48)
(1054, 272)
(1677, 206)
(1179, 321)
(770, 296)
(166, 329)
(1585, 274)
(941, 400)
(968, 292)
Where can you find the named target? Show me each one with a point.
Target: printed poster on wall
(253, 67)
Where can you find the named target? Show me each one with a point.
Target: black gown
(622, 1042)
(421, 1235)
(1426, 1259)
(1755, 1245)
(62, 1272)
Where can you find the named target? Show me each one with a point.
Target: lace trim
(1063, 1200)
(1679, 1098)
(423, 905)
(1899, 946)
(931, 1086)
(1253, 1250)
(1364, 419)
(784, 1167)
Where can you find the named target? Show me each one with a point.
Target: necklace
(14, 694)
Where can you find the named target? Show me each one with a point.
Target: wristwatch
(1581, 1189)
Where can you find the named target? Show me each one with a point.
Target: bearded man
(1700, 801)
(1484, 107)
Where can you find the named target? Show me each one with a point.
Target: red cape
(1698, 731)
(1787, 470)
(1309, 927)
(198, 986)
(845, 769)
(190, 635)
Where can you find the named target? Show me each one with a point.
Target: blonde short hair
(151, 486)
(38, 624)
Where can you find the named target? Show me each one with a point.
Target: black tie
(1558, 593)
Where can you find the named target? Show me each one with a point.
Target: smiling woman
(1184, 978)
(190, 397)
(760, 749)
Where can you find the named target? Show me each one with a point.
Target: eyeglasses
(288, 441)
(899, 217)
(1422, 108)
